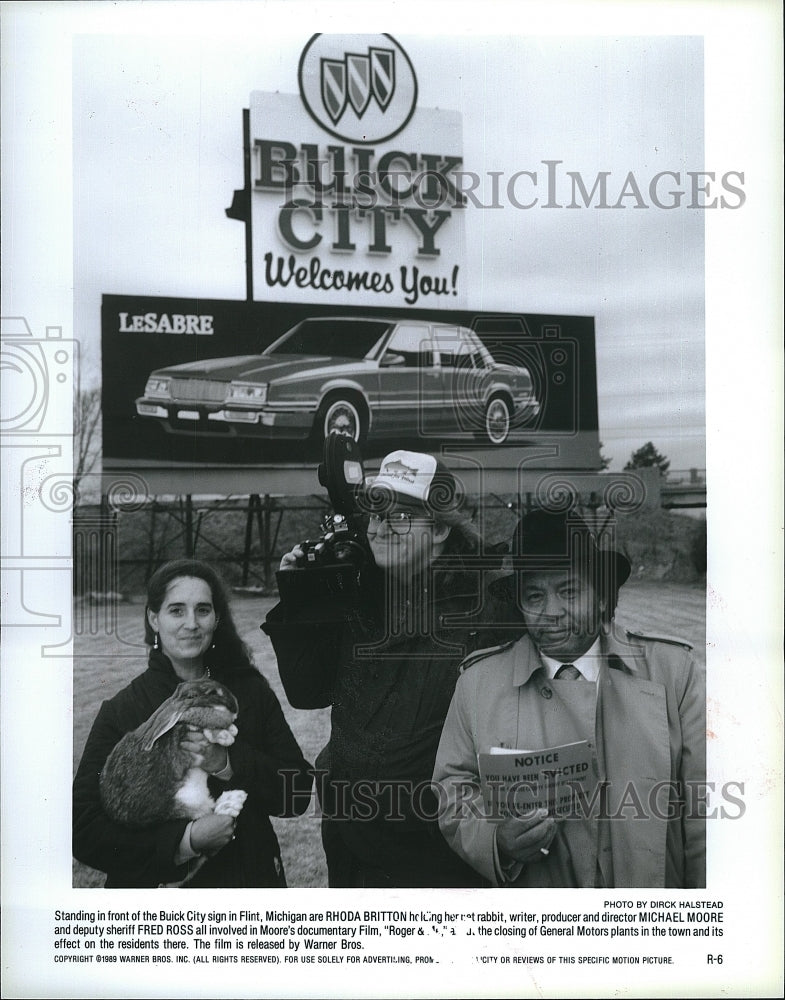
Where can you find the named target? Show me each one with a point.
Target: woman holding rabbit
(191, 635)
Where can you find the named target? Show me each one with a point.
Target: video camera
(325, 580)
(343, 538)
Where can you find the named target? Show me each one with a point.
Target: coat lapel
(637, 756)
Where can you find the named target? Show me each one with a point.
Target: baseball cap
(417, 479)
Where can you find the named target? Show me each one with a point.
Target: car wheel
(497, 420)
(343, 416)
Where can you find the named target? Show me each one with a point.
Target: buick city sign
(359, 88)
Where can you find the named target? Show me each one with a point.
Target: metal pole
(248, 529)
(151, 543)
(248, 193)
(189, 527)
(266, 543)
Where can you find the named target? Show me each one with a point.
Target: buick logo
(359, 88)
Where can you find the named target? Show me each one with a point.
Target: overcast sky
(135, 204)
(157, 155)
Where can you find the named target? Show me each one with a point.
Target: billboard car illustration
(362, 377)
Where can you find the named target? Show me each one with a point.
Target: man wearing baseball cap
(638, 701)
(388, 670)
(417, 489)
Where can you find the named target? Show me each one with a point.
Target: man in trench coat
(637, 700)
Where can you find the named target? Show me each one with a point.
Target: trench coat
(650, 722)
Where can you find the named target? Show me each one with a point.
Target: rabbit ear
(160, 722)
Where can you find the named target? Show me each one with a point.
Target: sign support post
(240, 209)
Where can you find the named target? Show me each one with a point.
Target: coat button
(546, 692)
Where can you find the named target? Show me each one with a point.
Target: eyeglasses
(398, 521)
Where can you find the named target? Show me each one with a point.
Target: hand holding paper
(525, 838)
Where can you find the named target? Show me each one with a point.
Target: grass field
(104, 661)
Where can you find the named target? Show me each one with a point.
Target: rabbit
(148, 778)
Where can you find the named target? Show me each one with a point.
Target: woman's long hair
(228, 649)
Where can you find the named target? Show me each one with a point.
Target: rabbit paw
(225, 737)
(231, 802)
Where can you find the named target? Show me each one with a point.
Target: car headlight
(158, 387)
(247, 392)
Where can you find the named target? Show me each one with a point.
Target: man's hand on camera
(291, 559)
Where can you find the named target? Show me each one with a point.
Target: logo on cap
(397, 470)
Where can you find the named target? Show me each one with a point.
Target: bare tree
(87, 444)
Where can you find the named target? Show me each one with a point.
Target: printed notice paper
(519, 781)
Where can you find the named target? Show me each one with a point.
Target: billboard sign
(357, 317)
(216, 382)
(354, 193)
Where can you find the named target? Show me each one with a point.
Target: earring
(155, 641)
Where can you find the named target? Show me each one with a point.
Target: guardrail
(684, 488)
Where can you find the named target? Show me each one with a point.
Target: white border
(743, 52)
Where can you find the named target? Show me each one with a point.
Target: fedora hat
(559, 540)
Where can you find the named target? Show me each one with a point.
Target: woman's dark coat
(266, 762)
